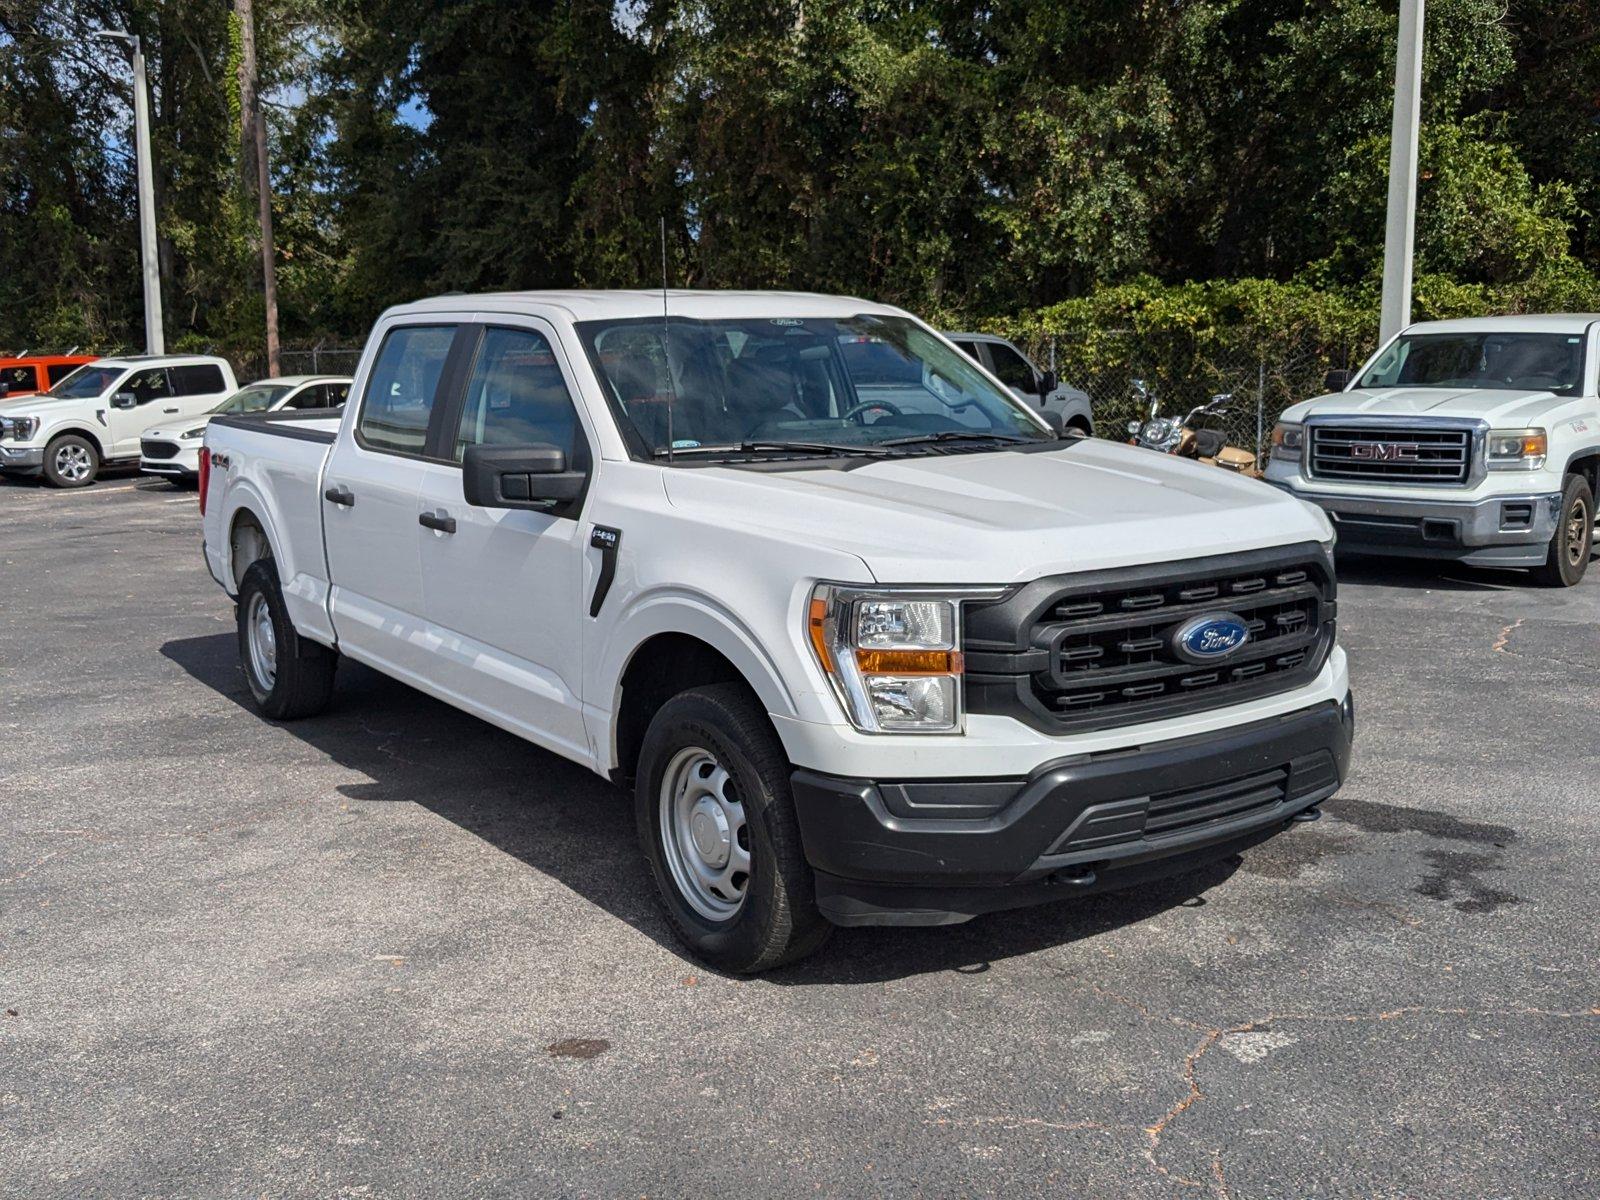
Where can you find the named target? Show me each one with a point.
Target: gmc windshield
(810, 385)
(1542, 362)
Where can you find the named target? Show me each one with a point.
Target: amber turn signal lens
(909, 662)
(819, 636)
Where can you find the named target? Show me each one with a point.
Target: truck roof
(622, 304)
(1511, 323)
(134, 360)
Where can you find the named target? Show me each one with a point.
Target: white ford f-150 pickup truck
(869, 641)
(1476, 440)
(93, 417)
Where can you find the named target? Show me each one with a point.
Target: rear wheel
(1573, 541)
(717, 824)
(71, 461)
(289, 676)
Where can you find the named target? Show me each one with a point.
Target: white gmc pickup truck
(870, 642)
(1476, 440)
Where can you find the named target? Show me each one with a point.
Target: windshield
(86, 382)
(258, 397)
(1544, 362)
(860, 381)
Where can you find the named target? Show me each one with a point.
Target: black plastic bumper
(933, 852)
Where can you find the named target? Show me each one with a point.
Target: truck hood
(173, 430)
(40, 405)
(1001, 517)
(1503, 408)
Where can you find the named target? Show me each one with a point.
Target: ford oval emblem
(1209, 637)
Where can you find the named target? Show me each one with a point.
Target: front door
(370, 504)
(502, 588)
(151, 390)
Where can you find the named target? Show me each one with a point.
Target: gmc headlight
(1287, 439)
(894, 658)
(20, 428)
(193, 433)
(1517, 449)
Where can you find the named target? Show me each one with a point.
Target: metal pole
(154, 337)
(1400, 234)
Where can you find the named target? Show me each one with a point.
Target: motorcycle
(1194, 436)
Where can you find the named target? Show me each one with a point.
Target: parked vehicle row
(173, 450)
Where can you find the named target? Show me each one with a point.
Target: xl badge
(1209, 637)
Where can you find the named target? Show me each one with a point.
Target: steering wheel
(859, 410)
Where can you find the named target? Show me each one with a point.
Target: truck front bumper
(1497, 531)
(936, 852)
(21, 460)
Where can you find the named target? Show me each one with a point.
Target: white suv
(94, 416)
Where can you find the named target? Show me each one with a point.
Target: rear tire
(717, 824)
(71, 461)
(289, 676)
(1573, 541)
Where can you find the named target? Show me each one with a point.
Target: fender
(305, 593)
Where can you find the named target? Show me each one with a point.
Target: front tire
(71, 461)
(717, 825)
(289, 676)
(1573, 541)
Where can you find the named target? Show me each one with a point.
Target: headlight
(1287, 438)
(1517, 449)
(1157, 432)
(894, 659)
(20, 428)
(193, 433)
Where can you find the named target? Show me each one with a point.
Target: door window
(147, 385)
(1011, 368)
(199, 379)
(516, 396)
(338, 393)
(400, 394)
(315, 396)
(16, 379)
(970, 349)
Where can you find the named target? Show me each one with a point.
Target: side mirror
(1337, 380)
(124, 400)
(534, 477)
(1047, 383)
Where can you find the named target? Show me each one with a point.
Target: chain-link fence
(319, 359)
(1181, 375)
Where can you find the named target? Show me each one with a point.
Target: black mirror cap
(532, 477)
(1047, 383)
(1337, 380)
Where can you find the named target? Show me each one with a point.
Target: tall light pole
(1400, 235)
(155, 341)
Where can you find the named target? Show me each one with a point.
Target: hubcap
(72, 462)
(263, 641)
(703, 834)
(1578, 526)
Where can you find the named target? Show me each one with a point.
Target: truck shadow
(565, 822)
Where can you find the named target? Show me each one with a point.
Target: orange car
(37, 372)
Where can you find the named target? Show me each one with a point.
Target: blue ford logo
(1209, 637)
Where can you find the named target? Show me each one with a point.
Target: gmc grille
(1385, 454)
(1097, 651)
(159, 449)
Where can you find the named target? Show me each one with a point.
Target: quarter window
(400, 394)
(516, 396)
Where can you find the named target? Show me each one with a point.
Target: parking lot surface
(392, 951)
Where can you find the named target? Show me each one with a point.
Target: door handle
(341, 495)
(441, 520)
(170, 410)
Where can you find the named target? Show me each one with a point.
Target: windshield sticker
(685, 444)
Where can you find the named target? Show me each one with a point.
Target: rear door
(197, 388)
(502, 588)
(370, 500)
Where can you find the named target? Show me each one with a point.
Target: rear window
(197, 380)
(17, 379)
(400, 394)
(59, 371)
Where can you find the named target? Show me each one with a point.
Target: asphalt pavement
(392, 951)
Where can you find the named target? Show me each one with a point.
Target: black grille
(159, 449)
(1390, 455)
(1097, 651)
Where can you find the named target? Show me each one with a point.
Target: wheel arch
(1586, 462)
(80, 430)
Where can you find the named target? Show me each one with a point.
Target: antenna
(666, 342)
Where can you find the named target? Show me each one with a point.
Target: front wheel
(71, 461)
(289, 676)
(1573, 541)
(717, 824)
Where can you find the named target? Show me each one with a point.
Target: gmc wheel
(1573, 541)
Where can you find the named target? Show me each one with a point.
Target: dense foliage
(1060, 166)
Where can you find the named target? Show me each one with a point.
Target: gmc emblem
(1386, 451)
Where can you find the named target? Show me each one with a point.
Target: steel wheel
(1579, 525)
(72, 463)
(263, 642)
(703, 834)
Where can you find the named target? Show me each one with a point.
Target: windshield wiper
(956, 435)
(773, 447)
